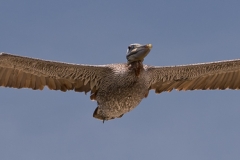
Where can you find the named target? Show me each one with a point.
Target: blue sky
(177, 125)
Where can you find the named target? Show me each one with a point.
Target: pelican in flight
(117, 88)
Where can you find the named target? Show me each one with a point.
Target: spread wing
(24, 72)
(214, 75)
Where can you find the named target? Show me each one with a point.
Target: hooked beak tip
(149, 46)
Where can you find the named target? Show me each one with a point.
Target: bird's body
(117, 88)
(121, 91)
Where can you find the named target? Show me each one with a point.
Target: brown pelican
(117, 88)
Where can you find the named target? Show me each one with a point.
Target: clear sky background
(192, 125)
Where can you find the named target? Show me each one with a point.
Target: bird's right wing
(24, 72)
(202, 76)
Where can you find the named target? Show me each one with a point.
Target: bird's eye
(131, 47)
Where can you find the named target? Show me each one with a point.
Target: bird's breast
(122, 91)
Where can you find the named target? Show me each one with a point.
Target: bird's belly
(118, 99)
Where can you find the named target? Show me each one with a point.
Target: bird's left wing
(202, 76)
(24, 72)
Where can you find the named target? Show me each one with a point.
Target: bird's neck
(136, 66)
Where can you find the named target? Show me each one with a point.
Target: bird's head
(137, 52)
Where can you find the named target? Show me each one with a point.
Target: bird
(117, 88)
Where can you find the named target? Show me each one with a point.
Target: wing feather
(25, 72)
(202, 76)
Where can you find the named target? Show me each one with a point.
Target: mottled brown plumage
(117, 88)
